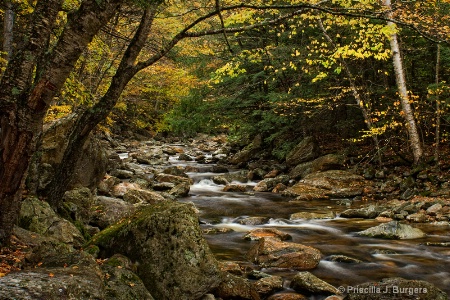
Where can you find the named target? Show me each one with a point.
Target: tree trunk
(90, 118)
(23, 105)
(438, 107)
(407, 110)
(8, 30)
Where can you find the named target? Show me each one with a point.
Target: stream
(380, 258)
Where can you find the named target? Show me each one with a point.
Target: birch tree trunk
(407, 110)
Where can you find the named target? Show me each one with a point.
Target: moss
(92, 250)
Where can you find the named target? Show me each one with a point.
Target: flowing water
(381, 258)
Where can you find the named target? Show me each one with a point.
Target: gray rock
(269, 184)
(369, 212)
(306, 150)
(121, 283)
(307, 283)
(393, 230)
(268, 285)
(311, 215)
(39, 217)
(108, 211)
(234, 287)
(83, 199)
(343, 259)
(165, 240)
(252, 221)
(270, 252)
(338, 183)
(138, 196)
(323, 163)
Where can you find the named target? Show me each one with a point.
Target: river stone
(259, 233)
(106, 185)
(393, 230)
(343, 259)
(398, 289)
(417, 218)
(173, 259)
(270, 252)
(235, 287)
(38, 216)
(269, 184)
(163, 177)
(253, 221)
(235, 188)
(287, 296)
(338, 183)
(180, 190)
(268, 285)
(175, 171)
(369, 212)
(307, 283)
(305, 192)
(119, 190)
(121, 283)
(220, 180)
(311, 215)
(434, 209)
(306, 150)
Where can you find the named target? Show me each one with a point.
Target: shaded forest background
(283, 70)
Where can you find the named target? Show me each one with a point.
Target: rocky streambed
(191, 221)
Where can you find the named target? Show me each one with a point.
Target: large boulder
(323, 163)
(38, 216)
(235, 287)
(108, 211)
(337, 183)
(248, 153)
(393, 230)
(396, 289)
(306, 150)
(89, 170)
(305, 192)
(270, 252)
(173, 259)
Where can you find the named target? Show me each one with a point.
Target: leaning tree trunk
(90, 118)
(408, 113)
(8, 30)
(23, 105)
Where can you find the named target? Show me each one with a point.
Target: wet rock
(343, 259)
(121, 283)
(108, 211)
(180, 190)
(220, 180)
(272, 174)
(167, 244)
(219, 169)
(287, 296)
(368, 212)
(393, 230)
(270, 252)
(252, 221)
(234, 287)
(305, 192)
(310, 215)
(398, 289)
(307, 283)
(235, 188)
(185, 157)
(306, 150)
(269, 184)
(39, 217)
(259, 233)
(163, 186)
(217, 230)
(268, 285)
(175, 171)
(254, 274)
(231, 267)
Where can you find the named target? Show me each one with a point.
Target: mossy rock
(173, 259)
